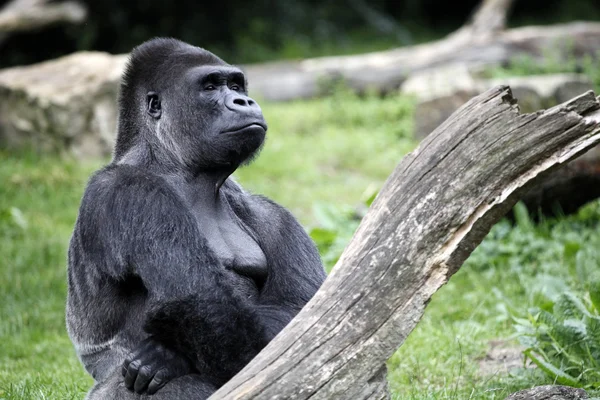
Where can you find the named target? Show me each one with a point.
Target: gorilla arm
(234, 331)
(140, 227)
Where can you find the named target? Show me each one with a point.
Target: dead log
(549, 392)
(435, 208)
(28, 15)
(483, 40)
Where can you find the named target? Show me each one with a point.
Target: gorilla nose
(242, 103)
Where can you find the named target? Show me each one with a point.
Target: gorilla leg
(191, 387)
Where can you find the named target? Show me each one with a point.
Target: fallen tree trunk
(433, 211)
(482, 40)
(28, 15)
(385, 71)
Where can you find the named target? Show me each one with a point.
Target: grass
(505, 275)
(329, 151)
(318, 150)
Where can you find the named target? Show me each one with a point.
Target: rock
(549, 392)
(430, 114)
(567, 189)
(67, 104)
(441, 91)
(435, 83)
(542, 91)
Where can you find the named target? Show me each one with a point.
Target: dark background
(259, 30)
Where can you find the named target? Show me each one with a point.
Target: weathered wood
(435, 208)
(482, 40)
(386, 70)
(28, 15)
(488, 19)
(549, 392)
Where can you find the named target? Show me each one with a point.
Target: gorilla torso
(228, 236)
(177, 276)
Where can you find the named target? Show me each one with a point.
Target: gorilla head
(187, 108)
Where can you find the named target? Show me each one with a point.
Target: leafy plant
(336, 225)
(562, 337)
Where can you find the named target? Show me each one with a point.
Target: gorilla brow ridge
(140, 75)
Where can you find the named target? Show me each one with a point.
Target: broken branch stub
(434, 209)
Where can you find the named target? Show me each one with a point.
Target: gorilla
(177, 277)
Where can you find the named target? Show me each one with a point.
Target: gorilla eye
(235, 87)
(153, 101)
(210, 87)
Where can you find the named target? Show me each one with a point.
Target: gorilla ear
(153, 103)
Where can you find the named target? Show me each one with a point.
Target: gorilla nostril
(240, 102)
(250, 102)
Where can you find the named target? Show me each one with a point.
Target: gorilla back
(177, 276)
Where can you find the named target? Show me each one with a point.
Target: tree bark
(435, 208)
(483, 40)
(549, 392)
(28, 15)
(488, 19)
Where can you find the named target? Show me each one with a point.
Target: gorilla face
(208, 118)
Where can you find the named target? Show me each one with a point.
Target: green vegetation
(559, 59)
(562, 335)
(329, 149)
(510, 287)
(514, 269)
(324, 159)
(322, 150)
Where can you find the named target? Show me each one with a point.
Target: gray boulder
(67, 104)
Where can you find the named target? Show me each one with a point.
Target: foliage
(322, 150)
(564, 342)
(242, 31)
(317, 152)
(562, 335)
(336, 225)
(559, 59)
(517, 264)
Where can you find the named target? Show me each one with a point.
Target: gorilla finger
(131, 374)
(160, 379)
(125, 365)
(144, 377)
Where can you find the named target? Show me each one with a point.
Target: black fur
(177, 276)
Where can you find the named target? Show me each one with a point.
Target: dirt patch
(502, 357)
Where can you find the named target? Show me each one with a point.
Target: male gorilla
(177, 276)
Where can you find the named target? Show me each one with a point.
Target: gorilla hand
(151, 365)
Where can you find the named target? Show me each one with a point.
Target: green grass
(505, 275)
(323, 151)
(38, 204)
(328, 150)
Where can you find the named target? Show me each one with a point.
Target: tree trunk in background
(483, 40)
(30, 15)
(433, 211)
(489, 19)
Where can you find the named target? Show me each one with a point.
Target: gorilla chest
(230, 240)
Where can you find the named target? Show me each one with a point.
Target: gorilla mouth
(252, 126)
